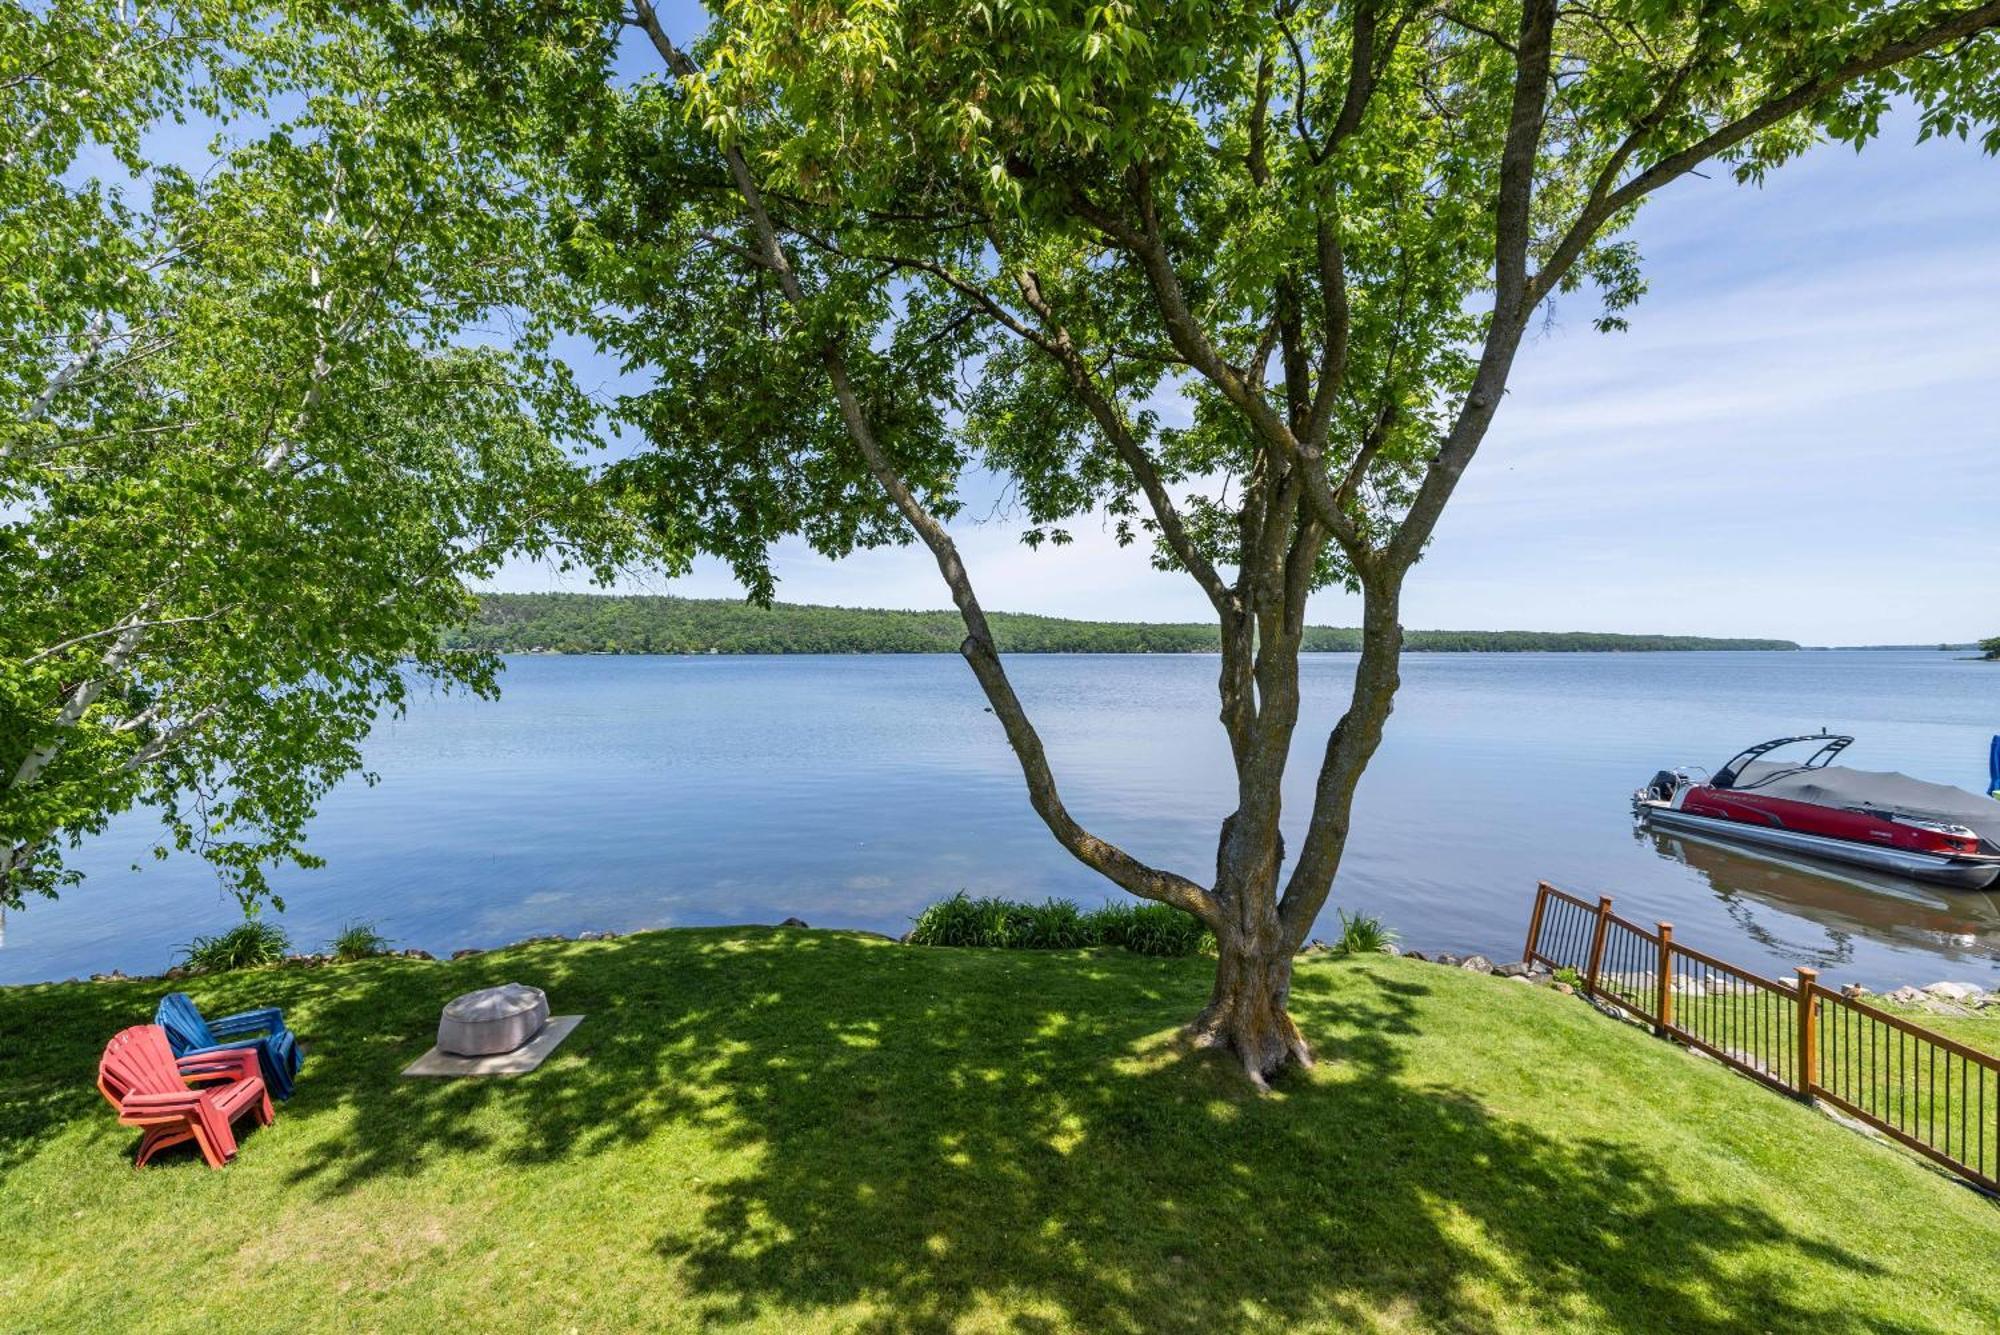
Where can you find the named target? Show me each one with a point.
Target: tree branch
(1337, 312)
(1360, 80)
(958, 283)
(1603, 205)
(99, 331)
(1147, 244)
(128, 634)
(1260, 117)
(1054, 339)
(1371, 445)
(170, 738)
(1511, 235)
(1483, 31)
(1348, 750)
(1119, 432)
(121, 628)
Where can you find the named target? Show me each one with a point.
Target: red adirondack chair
(194, 1098)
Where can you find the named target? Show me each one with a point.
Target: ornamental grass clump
(1151, 929)
(358, 941)
(1362, 935)
(1058, 924)
(961, 921)
(1054, 924)
(248, 945)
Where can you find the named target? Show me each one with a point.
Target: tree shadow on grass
(51, 1038)
(937, 1137)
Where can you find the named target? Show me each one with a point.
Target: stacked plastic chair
(178, 1099)
(262, 1030)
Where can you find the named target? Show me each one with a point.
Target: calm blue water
(626, 793)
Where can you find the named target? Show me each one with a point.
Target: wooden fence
(1939, 1097)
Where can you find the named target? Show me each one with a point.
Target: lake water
(625, 793)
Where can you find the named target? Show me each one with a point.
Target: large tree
(863, 248)
(256, 443)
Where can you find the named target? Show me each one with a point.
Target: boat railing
(1932, 1093)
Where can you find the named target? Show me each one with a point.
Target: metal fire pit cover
(492, 1020)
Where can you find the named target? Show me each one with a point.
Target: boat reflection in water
(1845, 902)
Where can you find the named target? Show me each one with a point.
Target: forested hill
(573, 623)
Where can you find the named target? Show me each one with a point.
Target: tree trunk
(1256, 930)
(1246, 1012)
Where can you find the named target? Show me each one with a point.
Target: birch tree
(866, 248)
(257, 440)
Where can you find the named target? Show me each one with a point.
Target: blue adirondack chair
(191, 1035)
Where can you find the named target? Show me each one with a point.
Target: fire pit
(492, 1020)
(504, 1030)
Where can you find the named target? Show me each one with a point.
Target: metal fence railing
(1560, 933)
(1931, 1093)
(1732, 1014)
(1625, 968)
(1938, 1096)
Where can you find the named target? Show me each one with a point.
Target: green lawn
(1980, 1029)
(793, 1129)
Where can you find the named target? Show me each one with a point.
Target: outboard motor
(1661, 789)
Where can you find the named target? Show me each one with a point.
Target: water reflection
(1843, 903)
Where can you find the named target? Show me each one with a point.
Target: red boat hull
(1861, 827)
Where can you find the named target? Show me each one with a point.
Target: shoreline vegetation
(589, 623)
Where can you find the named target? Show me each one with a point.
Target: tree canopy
(255, 444)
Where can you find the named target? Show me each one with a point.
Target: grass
(250, 944)
(1980, 1029)
(1058, 924)
(784, 1130)
(358, 941)
(1362, 935)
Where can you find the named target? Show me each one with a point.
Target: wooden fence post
(1663, 978)
(1808, 1033)
(1535, 923)
(1597, 945)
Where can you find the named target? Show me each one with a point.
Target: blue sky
(1797, 437)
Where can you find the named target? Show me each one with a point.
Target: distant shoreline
(612, 624)
(1115, 653)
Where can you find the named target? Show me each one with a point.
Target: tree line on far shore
(576, 623)
(1990, 648)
